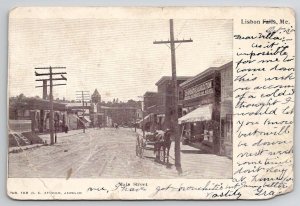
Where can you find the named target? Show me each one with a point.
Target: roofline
(120, 108)
(204, 74)
(225, 65)
(96, 90)
(165, 78)
(150, 92)
(44, 100)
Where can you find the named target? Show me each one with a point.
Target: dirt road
(107, 153)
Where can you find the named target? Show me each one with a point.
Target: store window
(223, 128)
(229, 127)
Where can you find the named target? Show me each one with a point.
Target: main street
(110, 153)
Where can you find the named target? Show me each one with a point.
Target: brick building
(150, 99)
(207, 110)
(159, 113)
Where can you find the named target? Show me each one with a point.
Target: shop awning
(145, 120)
(86, 120)
(202, 113)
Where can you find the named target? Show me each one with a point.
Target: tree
(15, 104)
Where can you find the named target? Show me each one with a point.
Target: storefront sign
(199, 90)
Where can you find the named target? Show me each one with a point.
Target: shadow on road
(168, 165)
(194, 152)
(148, 157)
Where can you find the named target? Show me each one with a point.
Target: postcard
(150, 103)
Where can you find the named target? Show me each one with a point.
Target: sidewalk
(22, 148)
(200, 164)
(197, 163)
(44, 137)
(62, 134)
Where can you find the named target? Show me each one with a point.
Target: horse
(163, 142)
(116, 126)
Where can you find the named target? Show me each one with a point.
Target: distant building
(121, 115)
(150, 99)
(159, 114)
(96, 97)
(29, 108)
(96, 116)
(78, 115)
(106, 116)
(150, 104)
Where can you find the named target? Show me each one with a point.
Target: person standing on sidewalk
(167, 143)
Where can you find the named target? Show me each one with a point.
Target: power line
(50, 74)
(45, 74)
(49, 67)
(52, 85)
(174, 117)
(177, 35)
(82, 95)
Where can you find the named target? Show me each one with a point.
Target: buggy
(158, 142)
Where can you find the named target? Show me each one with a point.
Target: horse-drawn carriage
(159, 142)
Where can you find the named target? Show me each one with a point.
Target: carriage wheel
(161, 155)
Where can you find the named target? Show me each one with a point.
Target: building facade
(206, 120)
(226, 112)
(37, 112)
(160, 114)
(78, 115)
(96, 116)
(120, 115)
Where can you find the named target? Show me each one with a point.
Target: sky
(116, 56)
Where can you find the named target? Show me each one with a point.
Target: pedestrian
(157, 145)
(66, 128)
(167, 144)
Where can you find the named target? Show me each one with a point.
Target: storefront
(226, 113)
(147, 122)
(203, 124)
(155, 120)
(37, 111)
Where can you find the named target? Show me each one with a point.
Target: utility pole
(174, 118)
(42, 113)
(81, 96)
(51, 85)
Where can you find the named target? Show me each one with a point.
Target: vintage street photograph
(120, 98)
